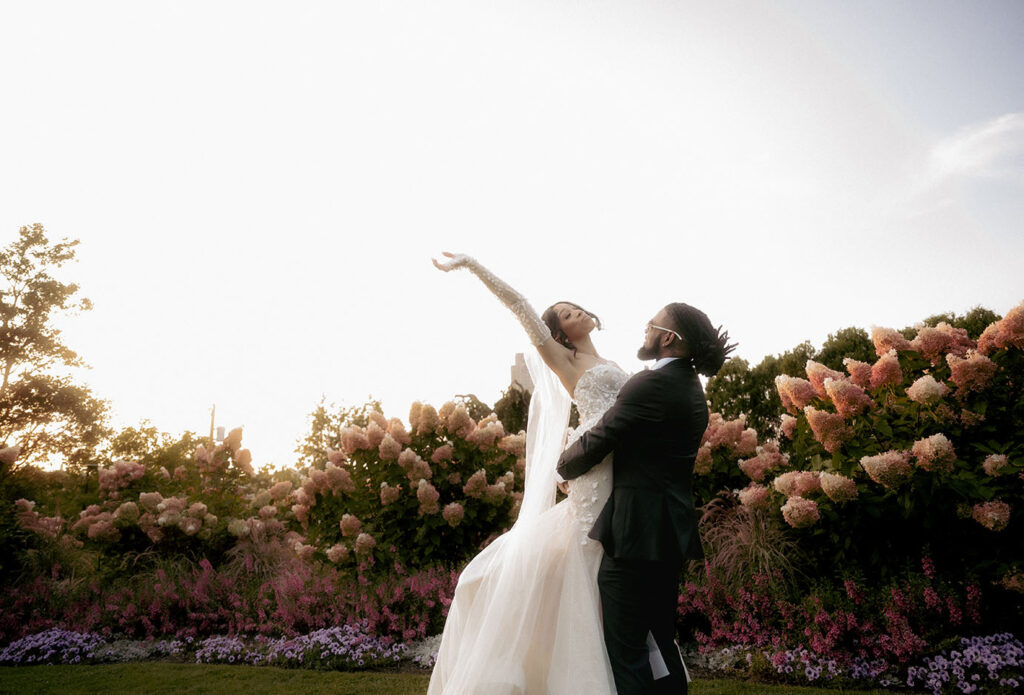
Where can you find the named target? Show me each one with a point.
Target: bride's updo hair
(708, 347)
(550, 317)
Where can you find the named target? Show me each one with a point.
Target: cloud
(993, 149)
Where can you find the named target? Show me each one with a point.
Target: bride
(526, 618)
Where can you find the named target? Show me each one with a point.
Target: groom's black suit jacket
(654, 430)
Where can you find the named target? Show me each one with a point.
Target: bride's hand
(456, 260)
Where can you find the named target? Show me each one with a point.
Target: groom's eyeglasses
(662, 328)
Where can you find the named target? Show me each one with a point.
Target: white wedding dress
(526, 616)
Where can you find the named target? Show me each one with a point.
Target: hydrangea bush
(923, 448)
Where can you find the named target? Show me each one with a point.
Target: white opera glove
(536, 329)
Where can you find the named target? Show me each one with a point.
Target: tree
(739, 390)
(325, 424)
(849, 342)
(41, 409)
(974, 321)
(152, 448)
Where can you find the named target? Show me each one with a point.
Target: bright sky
(259, 186)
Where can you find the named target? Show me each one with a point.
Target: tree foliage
(41, 408)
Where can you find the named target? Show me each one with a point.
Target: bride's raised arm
(556, 356)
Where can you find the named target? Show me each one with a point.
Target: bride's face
(575, 322)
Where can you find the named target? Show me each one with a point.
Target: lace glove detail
(536, 329)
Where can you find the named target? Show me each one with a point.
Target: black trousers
(637, 597)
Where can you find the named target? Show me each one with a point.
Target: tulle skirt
(525, 619)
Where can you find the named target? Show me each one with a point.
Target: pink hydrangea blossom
(927, 390)
(414, 414)
(339, 480)
(197, 510)
(795, 393)
(419, 470)
(234, 439)
(365, 543)
(377, 417)
(337, 553)
(407, 458)
(453, 513)
(476, 485)
(973, 373)
(754, 496)
(190, 526)
(786, 483)
(886, 371)
(933, 343)
(788, 426)
(747, 443)
(354, 439)
(280, 490)
(303, 551)
(268, 511)
(514, 444)
(829, 429)
(445, 412)
(428, 496)
(837, 487)
(459, 422)
(396, 428)
(995, 464)
(1004, 334)
(31, 520)
(799, 512)
(9, 454)
(243, 461)
(890, 469)
(117, 476)
(860, 372)
(797, 483)
(768, 458)
(722, 433)
(102, 529)
(487, 432)
(128, 512)
(934, 453)
(350, 525)
(150, 500)
(301, 513)
(429, 422)
(375, 434)
(496, 493)
(389, 448)
(442, 453)
(886, 339)
(336, 457)
(389, 494)
(319, 479)
(702, 465)
(994, 515)
(849, 398)
(817, 373)
(303, 497)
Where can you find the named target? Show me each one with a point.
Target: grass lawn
(159, 678)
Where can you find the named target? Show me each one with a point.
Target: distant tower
(521, 375)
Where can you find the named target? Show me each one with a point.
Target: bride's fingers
(449, 254)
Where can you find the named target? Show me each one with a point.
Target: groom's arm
(635, 404)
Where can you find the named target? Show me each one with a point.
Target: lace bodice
(595, 392)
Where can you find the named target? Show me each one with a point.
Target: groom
(649, 526)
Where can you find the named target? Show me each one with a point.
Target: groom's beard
(647, 353)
